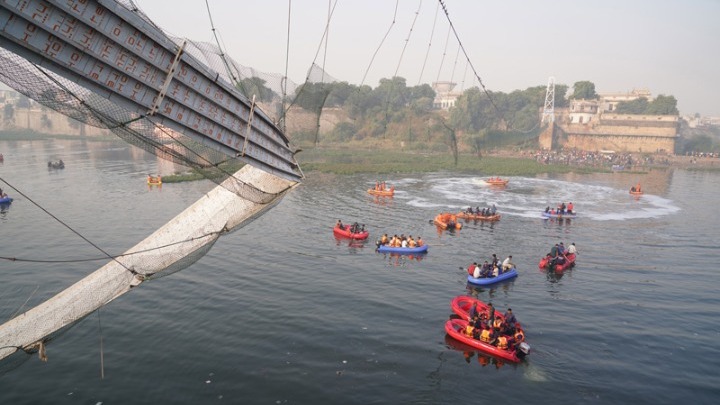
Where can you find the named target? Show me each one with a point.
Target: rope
(381, 43)
(67, 226)
(432, 32)
(477, 76)
(15, 259)
(287, 63)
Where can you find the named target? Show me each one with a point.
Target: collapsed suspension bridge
(104, 63)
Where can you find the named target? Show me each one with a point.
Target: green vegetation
(382, 162)
(583, 90)
(661, 105)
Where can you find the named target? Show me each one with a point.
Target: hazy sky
(669, 47)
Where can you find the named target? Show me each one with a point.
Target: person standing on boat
(493, 210)
(572, 249)
(507, 264)
(495, 260)
(490, 315)
(510, 319)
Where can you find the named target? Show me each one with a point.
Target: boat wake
(527, 197)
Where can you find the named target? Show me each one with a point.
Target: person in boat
(420, 241)
(510, 319)
(494, 260)
(496, 271)
(403, 243)
(384, 239)
(486, 270)
(554, 250)
(471, 268)
(547, 209)
(570, 208)
(477, 273)
(493, 210)
(572, 249)
(637, 188)
(490, 314)
(338, 224)
(473, 312)
(507, 264)
(561, 249)
(411, 242)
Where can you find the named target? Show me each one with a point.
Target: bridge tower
(548, 116)
(549, 109)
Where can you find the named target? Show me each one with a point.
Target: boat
(383, 193)
(461, 306)
(402, 250)
(5, 200)
(496, 181)
(154, 180)
(555, 214)
(569, 262)
(510, 274)
(478, 217)
(456, 327)
(447, 220)
(345, 233)
(58, 164)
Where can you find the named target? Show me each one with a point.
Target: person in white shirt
(572, 249)
(507, 264)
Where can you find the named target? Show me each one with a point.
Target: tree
(339, 94)
(584, 90)
(311, 96)
(637, 106)
(250, 86)
(663, 105)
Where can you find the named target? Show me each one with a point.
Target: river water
(282, 312)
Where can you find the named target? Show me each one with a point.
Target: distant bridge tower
(549, 109)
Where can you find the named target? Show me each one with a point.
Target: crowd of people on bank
(504, 332)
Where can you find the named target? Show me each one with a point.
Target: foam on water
(528, 197)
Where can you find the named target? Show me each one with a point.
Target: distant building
(444, 96)
(595, 125)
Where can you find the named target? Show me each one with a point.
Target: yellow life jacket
(502, 342)
(485, 335)
(469, 330)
